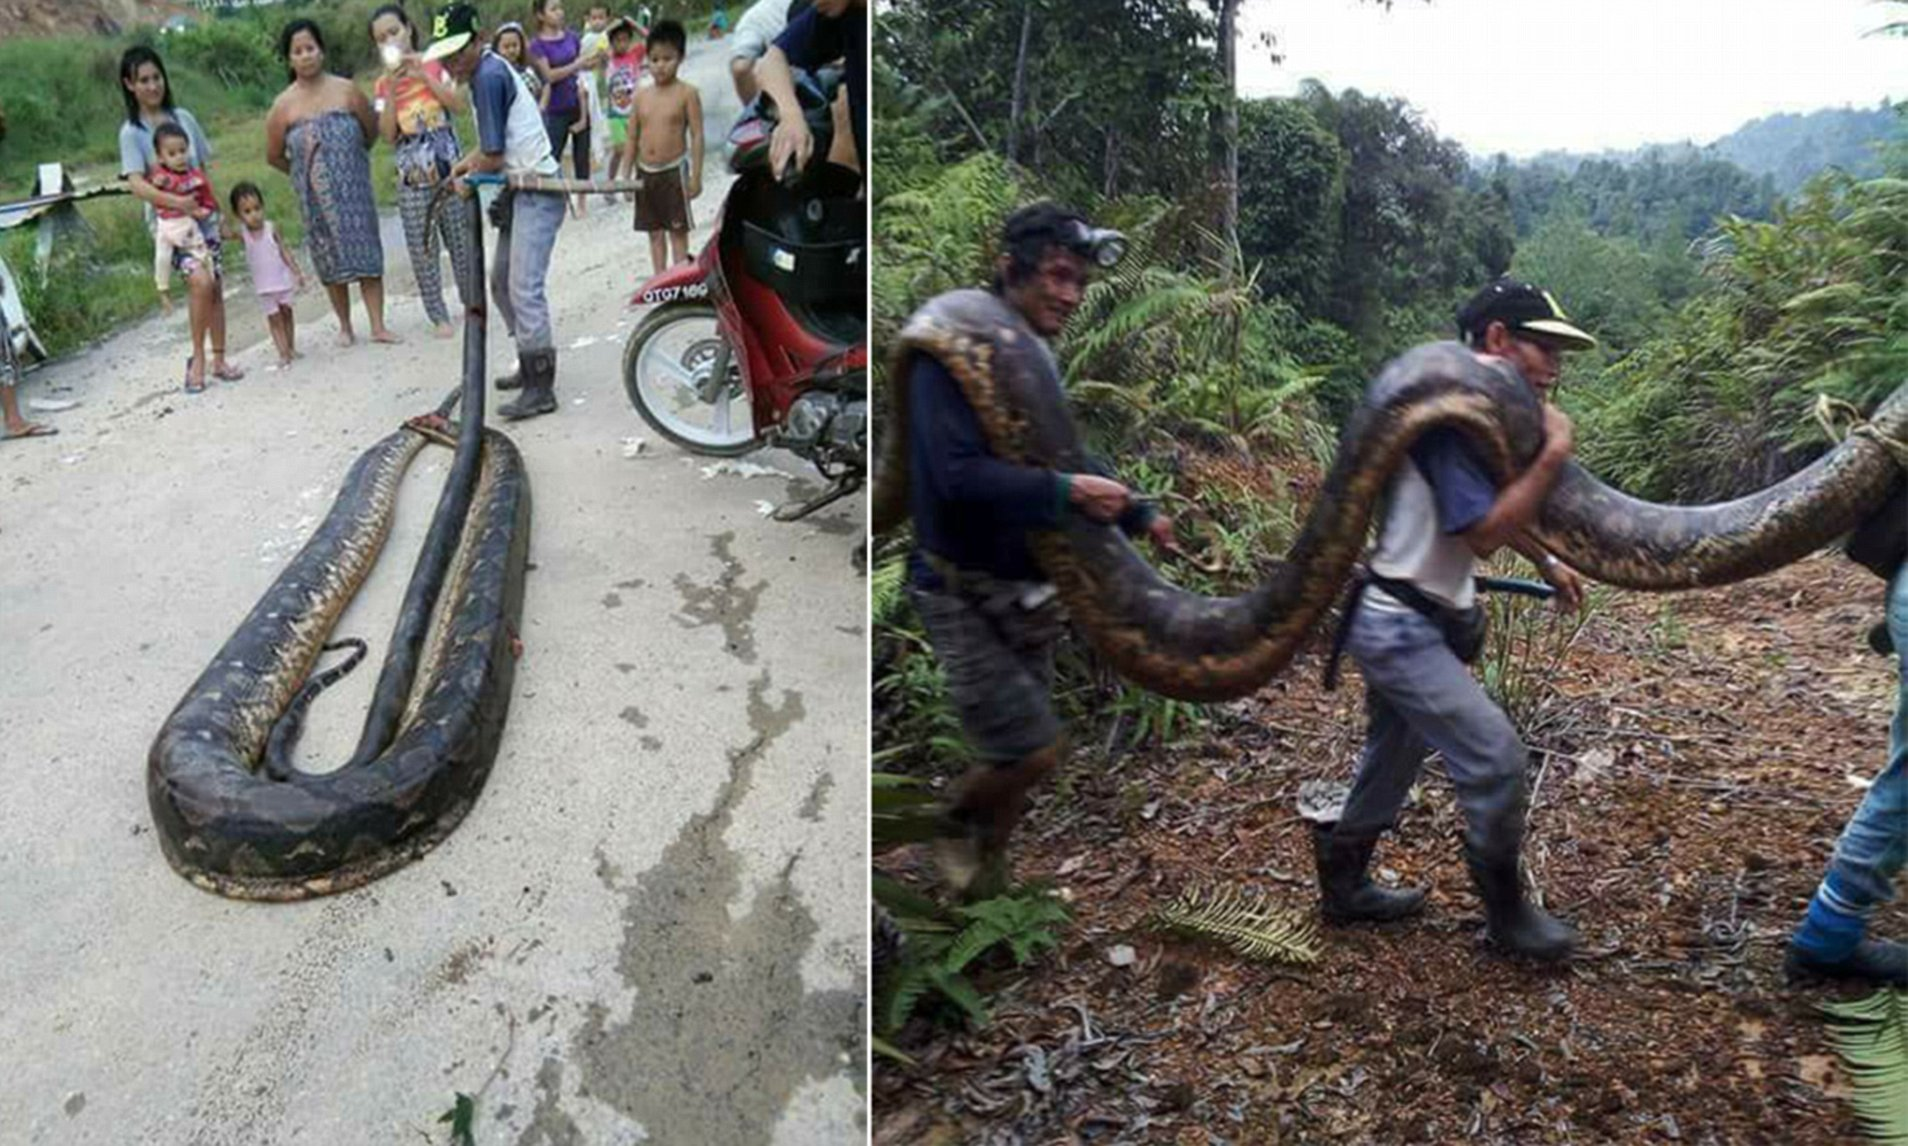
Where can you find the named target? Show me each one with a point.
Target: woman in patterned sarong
(319, 132)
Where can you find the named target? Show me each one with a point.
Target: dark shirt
(971, 508)
(1461, 484)
(812, 40)
(556, 53)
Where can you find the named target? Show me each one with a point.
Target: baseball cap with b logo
(1524, 309)
(452, 27)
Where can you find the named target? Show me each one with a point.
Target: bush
(239, 54)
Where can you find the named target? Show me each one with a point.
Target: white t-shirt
(525, 143)
(1414, 547)
(757, 29)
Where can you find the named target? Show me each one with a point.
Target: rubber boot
(1345, 892)
(1518, 926)
(1878, 961)
(971, 850)
(539, 387)
(512, 380)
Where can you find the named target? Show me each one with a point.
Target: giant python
(232, 814)
(1192, 647)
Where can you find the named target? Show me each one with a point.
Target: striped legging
(453, 226)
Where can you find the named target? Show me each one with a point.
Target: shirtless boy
(665, 128)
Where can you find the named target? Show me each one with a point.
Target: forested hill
(1788, 147)
(1794, 147)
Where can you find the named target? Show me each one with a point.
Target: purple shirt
(555, 54)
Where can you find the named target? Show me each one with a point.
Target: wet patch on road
(612, 600)
(725, 602)
(837, 525)
(722, 1031)
(634, 716)
(817, 798)
(549, 1125)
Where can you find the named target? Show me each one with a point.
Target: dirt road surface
(649, 928)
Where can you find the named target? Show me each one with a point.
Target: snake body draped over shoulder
(223, 820)
(1193, 647)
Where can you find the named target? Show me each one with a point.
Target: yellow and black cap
(1523, 309)
(453, 27)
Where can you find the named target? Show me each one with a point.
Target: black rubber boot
(539, 387)
(1345, 892)
(1878, 961)
(1518, 926)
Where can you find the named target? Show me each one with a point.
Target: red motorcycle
(762, 340)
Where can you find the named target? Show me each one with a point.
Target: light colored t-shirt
(625, 76)
(137, 155)
(1413, 548)
(508, 122)
(757, 29)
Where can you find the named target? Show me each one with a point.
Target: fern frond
(1871, 1036)
(910, 985)
(887, 588)
(1250, 924)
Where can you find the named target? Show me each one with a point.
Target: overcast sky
(1524, 76)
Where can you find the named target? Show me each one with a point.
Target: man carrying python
(1474, 402)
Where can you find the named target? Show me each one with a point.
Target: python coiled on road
(232, 816)
(1193, 647)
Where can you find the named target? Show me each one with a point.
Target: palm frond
(1871, 1036)
(1251, 924)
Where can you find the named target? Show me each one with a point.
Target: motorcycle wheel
(666, 372)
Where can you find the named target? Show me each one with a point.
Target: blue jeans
(523, 266)
(1419, 697)
(1874, 845)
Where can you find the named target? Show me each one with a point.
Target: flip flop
(190, 386)
(33, 430)
(231, 373)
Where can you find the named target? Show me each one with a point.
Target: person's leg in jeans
(535, 220)
(1873, 847)
(500, 288)
(1438, 697)
(1387, 767)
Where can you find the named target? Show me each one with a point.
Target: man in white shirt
(512, 140)
(1444, 511)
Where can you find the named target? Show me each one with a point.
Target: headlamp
(1101, 246)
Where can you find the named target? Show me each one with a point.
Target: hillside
(19, 18)
(1794, 147)
(1788, 147)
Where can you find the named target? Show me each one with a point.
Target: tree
(1289, 224)
(1226, 175)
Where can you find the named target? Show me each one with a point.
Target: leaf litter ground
(1692, 774)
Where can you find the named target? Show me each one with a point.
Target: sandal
(33, 430)
(226, 371)
(191, 386)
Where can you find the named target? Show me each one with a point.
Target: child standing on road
(179, 230)
(596, 49)
(666, 124)
(275, 274)
(624, 77)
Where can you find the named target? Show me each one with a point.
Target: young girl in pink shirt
(275, 274)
